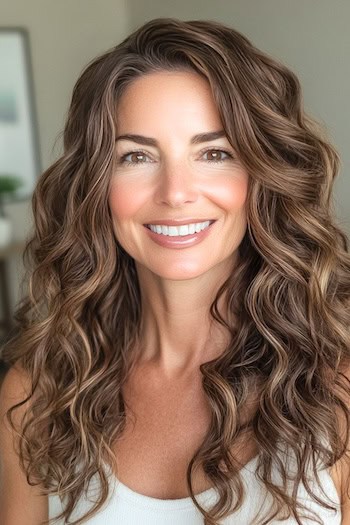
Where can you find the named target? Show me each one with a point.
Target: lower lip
(179, 241)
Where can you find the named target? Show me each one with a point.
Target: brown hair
(78, 324)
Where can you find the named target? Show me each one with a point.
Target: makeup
(179, 241)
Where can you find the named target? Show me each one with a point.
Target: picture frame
(19, 144)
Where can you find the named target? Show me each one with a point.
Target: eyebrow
(196, 139)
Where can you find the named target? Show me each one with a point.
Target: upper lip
(178, 222)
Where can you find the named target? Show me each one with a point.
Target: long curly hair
(78, 324)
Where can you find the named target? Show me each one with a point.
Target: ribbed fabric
(126, 507)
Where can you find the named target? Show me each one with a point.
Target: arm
(19, 502)
(341, 469)
(345, 497)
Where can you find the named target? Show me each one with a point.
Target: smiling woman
(183, 351)
(174, 181)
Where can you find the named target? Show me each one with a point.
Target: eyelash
(202, 152)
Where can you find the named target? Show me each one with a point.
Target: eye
(217, 155)
(138, 155)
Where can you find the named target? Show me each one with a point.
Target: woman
(183, 348)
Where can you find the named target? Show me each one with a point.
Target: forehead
(168, 98)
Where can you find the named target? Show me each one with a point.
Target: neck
(177, 332)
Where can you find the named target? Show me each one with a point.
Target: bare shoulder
(340, 472)
(16, 383)
(13, 483)
(14, 388)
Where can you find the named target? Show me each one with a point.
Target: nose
(176, 185)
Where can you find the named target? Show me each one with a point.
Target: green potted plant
(8, 185)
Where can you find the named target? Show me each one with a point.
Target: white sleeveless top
(126, 507)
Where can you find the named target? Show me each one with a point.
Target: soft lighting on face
(181, 167)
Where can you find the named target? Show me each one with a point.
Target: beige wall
(312, 37)
(64, 37)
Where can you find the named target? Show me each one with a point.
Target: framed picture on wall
(19, 147)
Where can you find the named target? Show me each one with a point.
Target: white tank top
(127, 507)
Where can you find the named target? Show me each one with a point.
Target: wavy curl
(77, 326)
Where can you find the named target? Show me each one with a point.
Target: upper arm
(19, 501)
(341, 469)
(345, 495)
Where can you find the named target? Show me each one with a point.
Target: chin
(179, 272)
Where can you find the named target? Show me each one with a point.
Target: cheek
(124, 201)
(231, 194)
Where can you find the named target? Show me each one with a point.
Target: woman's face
(165, 175)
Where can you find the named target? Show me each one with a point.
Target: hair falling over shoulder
(77, 326)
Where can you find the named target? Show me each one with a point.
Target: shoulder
(14, 487)
(15, 378)
(14, 388)
(340, 471)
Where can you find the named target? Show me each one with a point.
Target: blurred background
(44, 45)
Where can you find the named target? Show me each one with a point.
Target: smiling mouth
(179, 231)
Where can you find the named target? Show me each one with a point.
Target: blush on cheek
(231, 195)
(122, 202)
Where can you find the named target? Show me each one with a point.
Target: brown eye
(215, 155)
(136, 157)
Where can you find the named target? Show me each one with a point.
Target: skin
(176, 179)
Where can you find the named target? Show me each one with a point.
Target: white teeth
(185, 229)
